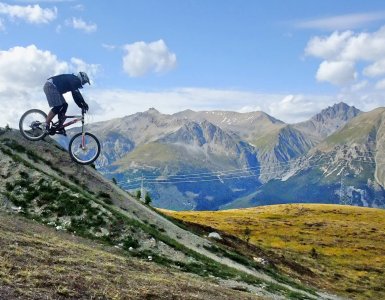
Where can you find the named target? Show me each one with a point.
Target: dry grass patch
(37, 262)
(344, 247)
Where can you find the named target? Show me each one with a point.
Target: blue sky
(288, 58)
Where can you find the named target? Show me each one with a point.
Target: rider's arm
(79, 100)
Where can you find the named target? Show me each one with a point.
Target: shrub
(15, 146)
(9, 186)
(23, 183)
(108, 201)
(24, 175)
(74, 179)
(313, 253)
(98, 221)
(247, 234)
(147, 199)
(104, 195)
(30, 195)
(130, 242)
(70, 206)
(32, 155)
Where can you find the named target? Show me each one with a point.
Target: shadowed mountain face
(216, 159)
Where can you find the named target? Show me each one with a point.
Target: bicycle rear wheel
(32, 124)
(85, 151)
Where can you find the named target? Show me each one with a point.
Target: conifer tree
(147, 199)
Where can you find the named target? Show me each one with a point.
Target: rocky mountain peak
(152, 110)
(328, 121)
(341, 111)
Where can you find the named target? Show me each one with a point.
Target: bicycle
(84, 147)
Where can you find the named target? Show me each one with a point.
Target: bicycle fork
(83, 135)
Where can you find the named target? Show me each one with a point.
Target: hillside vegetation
(51, 205)
(337, 248)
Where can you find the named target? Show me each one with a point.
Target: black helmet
(83, 78)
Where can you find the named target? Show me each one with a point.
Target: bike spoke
(84, 149)
(32, 124)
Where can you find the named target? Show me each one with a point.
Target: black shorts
(60, 109)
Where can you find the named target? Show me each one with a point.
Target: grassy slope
(88, 211)
(36, 262)
(343, 247)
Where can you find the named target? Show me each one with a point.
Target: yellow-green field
(342, 246)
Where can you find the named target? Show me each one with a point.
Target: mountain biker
(55, 87)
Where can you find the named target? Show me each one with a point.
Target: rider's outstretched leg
(61, 114)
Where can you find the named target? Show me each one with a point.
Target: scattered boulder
(260, 260)
(215, 235)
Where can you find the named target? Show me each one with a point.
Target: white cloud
(78, 65)
(142, 58)
(33, 14)
(349, 46)
(108, 46)
(380, 85)
(26, 67)
(329, 47)
(23, 71)
(109, 104)
(295, 108)
(289, 108)
(342, 52)
(80, 24)
(359, 86)
(342, 22)
(249, 108)
(40, 1)
(336, 72)
(79, 7)
(375, 69)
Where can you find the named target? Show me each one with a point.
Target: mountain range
(211, 160)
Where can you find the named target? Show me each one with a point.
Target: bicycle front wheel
(32, 124)
(84, 149)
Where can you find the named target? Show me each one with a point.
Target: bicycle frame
(76, 118)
